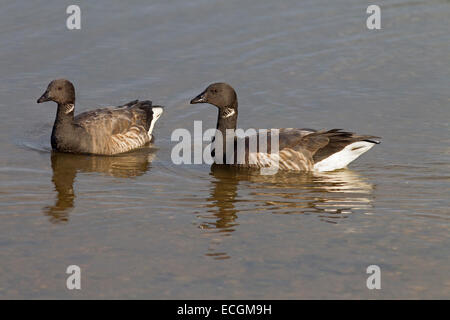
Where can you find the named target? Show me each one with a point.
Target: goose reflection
(65, 167)
(331, 196)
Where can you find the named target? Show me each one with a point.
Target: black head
(60, 91)
(220, 94)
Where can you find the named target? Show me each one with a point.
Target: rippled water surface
(140, 226)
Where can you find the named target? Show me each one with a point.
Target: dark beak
(201, 98)
(43, 98)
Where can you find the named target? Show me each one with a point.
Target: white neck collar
(69, 109)
(228, 112)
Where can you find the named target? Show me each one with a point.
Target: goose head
(219, 94)
(60, 91)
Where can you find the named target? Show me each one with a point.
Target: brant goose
(104, 131)
(299, 149)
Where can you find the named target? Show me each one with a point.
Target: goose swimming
(105, 131)
(299, 149)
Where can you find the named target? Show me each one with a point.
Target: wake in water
(36, 138)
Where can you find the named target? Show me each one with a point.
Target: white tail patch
(342, 158)
(157, 112)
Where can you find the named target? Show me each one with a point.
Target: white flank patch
(342, 158)
(157, 112)
(262, 160)
(286, 159)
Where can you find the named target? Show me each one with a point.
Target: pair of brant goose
(120, 129)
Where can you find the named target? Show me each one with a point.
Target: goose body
(298, 149)
(105, 131)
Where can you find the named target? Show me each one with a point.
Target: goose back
(298, 149)
(115, 130)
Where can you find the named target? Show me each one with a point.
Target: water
(141, 227)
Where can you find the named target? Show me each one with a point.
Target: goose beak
(201, 98)
(43, 98)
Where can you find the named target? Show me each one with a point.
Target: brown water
(141, 227)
